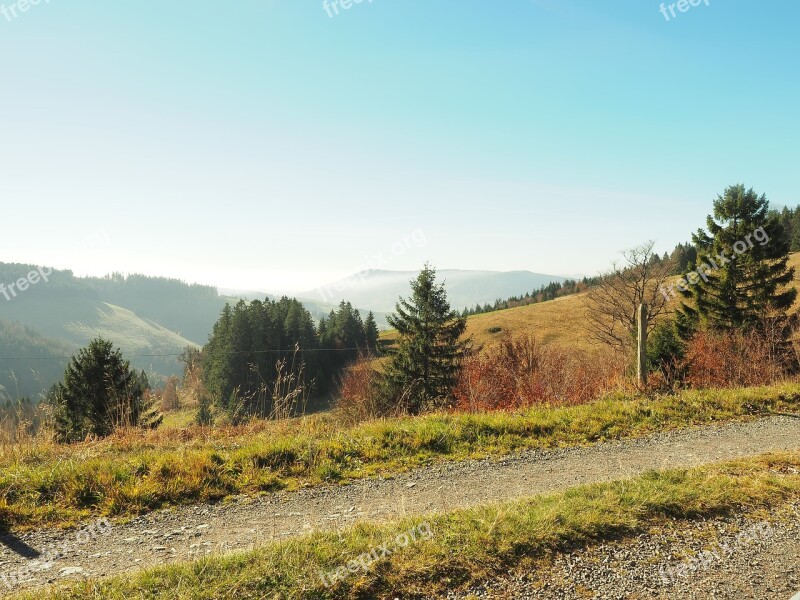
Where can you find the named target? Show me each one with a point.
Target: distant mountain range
(379, 290)
(153, 319)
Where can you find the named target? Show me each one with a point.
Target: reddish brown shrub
(521, 372)
(737, 359)
(358, 398)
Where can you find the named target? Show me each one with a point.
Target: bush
(359, 397)
(737, 359)
(666, 354)
(169, 395)
(204, 416)
(521, 372)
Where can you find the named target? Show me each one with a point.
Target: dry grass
(562, 321)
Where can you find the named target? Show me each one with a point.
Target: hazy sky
(268, 145)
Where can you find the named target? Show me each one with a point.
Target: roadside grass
(138, 472)
(467, 546)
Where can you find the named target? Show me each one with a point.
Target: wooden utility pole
(641, 370)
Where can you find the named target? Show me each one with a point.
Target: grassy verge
(468, 545)
(121, 477)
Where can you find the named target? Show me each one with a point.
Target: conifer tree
(371, 333)
(741, 273)
(100, 392)
(423, 370)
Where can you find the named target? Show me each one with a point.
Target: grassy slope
(179, 419)
(129, 331)
(467, 545)
(131, 474)
(561, 321)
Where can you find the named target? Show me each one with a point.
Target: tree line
(259, 344)
(677, 261)
(547, 292)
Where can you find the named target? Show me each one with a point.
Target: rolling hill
(151, 319)
(33, 364)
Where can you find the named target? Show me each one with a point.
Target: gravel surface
(734, 559)
(185, 533)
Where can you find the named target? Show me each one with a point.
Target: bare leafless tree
(614, 302)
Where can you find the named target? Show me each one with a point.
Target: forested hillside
(152, 319)
(251, 338)
(188, 310)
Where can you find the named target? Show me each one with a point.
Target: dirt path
(189, 532)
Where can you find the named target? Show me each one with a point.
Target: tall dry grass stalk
(287, 396)
(25, 430)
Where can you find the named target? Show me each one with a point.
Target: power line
(234, 352)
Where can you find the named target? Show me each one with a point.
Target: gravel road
(188, 532)
(731, 559)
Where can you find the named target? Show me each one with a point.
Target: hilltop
(561, 321)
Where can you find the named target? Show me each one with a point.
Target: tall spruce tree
(423, 369)
(741, 272)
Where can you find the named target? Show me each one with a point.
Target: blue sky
(267, 145)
